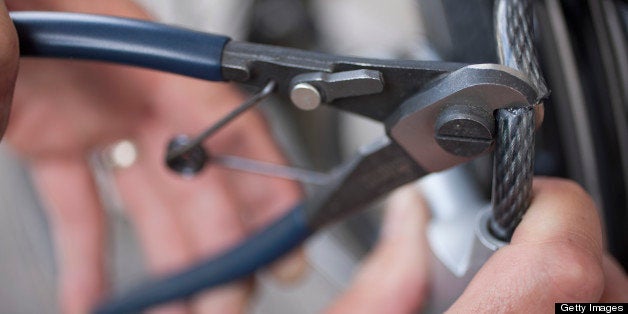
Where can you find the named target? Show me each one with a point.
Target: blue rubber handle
(120, 40)
(238, 262)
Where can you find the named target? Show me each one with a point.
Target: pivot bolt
(464, 130)
(305, 96)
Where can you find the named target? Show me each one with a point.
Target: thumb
(555, 256)
(393, 278)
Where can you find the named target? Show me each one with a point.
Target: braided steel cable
(514, 31)
(513, 159)
(513, 165)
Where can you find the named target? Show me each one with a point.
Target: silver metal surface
(459, 240)
(272, 170)
(344, 84)
(484, 233)
(305, 96)
(449, 280)
(489, 87)
(255, 64)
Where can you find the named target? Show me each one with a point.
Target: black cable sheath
(120, 40)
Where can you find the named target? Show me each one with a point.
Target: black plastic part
(189, 163)
(120, 40)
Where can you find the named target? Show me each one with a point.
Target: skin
(556, 255)
(64, 111)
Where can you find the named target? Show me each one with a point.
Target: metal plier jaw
(412, 149)
(414, 99)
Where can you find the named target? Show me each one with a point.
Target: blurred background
(583, 51)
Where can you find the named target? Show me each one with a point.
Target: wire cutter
(436, 114)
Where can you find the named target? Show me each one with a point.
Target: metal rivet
(305, 96)
(465, 130)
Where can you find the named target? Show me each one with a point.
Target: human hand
(64, 110)
(556, 255)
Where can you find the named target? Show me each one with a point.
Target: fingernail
(404, 210)
(232, 298)
(291, 268)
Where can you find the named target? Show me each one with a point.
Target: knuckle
(575, 189)
(571, 188)
(575, 273)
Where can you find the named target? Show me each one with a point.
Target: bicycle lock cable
(513, 157)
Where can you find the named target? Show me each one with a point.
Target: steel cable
(513, 159)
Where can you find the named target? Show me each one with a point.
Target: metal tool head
(485, 87)
(373, 88)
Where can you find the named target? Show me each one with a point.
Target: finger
(77, 221)
(260, 199)
(615, 282)
(201, 210)
(163, 241)
(231, 298)
(209, 212)
(393, 279)
(291, 268)
(263, 199)
(9, 55)
(555, 256)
